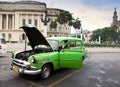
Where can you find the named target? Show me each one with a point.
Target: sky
(93, 14)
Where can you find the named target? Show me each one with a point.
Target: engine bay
(24, 55)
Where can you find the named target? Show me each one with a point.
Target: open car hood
(35, 37)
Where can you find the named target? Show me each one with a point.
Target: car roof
(64, 38)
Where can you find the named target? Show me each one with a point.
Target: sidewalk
(21, 46)
(16, 47)
(103, 49)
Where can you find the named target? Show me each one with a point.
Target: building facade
(13, 15)
(116, 22)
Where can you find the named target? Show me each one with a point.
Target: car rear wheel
(46, 70)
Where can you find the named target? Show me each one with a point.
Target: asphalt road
(99, 70)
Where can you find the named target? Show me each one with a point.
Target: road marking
(69, 75)
(33, 83)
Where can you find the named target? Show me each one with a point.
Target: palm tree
(77, 25)
(64, 17)
(53, 26)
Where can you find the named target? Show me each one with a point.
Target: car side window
(73, 46)
(64, 44)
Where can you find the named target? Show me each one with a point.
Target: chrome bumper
(24, 67)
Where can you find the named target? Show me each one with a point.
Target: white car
(3, 48)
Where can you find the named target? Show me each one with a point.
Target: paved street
(101, 69)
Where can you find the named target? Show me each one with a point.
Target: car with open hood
(48, 54)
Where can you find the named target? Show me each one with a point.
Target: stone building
(115, 21)
(13, 15)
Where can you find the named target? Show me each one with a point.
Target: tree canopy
(107, 34)
(64, 17)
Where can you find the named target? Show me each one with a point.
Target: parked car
(3, 48)
(48, 54)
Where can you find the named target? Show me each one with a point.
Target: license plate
(16, 69)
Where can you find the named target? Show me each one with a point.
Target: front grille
(23, 64)
(20, 63)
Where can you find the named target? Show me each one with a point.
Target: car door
(71, 55)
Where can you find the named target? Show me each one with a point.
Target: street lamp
(81, 32)
(45, 18)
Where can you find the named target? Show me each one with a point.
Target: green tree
(108, 34)
(77, 25)
(53, 26)
(64, 18)
(96, 34)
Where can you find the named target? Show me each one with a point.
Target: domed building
(13, 15)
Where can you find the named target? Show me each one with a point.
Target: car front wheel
(46, 70)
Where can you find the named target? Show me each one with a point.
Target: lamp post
(45, 19)
(81, 33)
(53, 31)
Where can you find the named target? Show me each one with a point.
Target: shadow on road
(55, 75)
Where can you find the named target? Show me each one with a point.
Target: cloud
(99, 3)
(94, 14)
(93, 18)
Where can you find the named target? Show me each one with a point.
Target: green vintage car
(48, 54)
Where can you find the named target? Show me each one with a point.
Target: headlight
(32, 59)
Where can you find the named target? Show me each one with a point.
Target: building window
(36, 23)
(3, 35)
(29, 21)
(3, 21)
(9, 21)
(23, 36)
(23, 22)
(9, 36)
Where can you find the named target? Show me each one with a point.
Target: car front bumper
(20, 66)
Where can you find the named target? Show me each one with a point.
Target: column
(20, 20)
(26, 19)
(32, 19)
(6, 21)
(13, 21)
(45, 30)
(0, 21)
(38, 22)
(17, 20)
(99, 39)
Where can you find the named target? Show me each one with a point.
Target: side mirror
(59, 48)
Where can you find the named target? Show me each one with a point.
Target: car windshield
(53, 44)
(2, 41)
